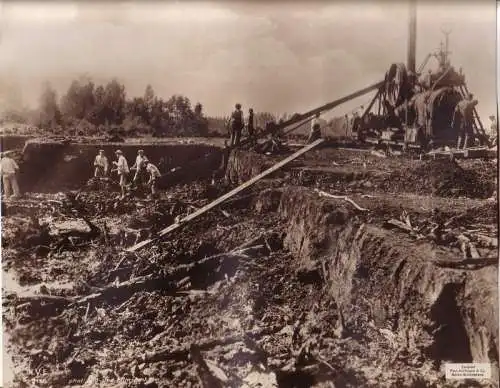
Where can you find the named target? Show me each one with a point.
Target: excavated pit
(13, 142)
(53, 166)
(324, 292)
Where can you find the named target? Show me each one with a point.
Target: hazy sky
(279, 56)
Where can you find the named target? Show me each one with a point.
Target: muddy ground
(280, 286)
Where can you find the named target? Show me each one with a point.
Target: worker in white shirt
(101, 165)
(139, 165)
(122, 171)
(8, 170)
(154, 174)
(315, 129)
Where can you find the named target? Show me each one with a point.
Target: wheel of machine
(396, 84)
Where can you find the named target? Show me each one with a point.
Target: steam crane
(410, 108)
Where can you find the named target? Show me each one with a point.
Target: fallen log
(205, 375)
(261, 354)
(400, 225)
(182, 353)
(478, 262)
(253, 242)
(41, 299)
(169, 282)
(199, 271)
(486, 240)
(473, 251)
(127, 289)
(343, 197)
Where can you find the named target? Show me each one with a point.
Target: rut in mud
(279, 285)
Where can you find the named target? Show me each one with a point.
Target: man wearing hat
(8, 170)
(101, 165)
(154, 174)
(139, 165)
(463, 119)
(315, 133)
(236, 123)
(122, 171)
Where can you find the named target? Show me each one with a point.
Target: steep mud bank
(53, 166)
(12, 142)
(243, 165)
(348, 171)
(383, 277)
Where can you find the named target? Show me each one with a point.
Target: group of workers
(142, 167)
(236, 125)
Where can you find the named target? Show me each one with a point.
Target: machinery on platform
(415, 109)
(411, 109)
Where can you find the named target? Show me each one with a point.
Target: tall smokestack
(412, 36)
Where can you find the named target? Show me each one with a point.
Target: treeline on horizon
(90, 109)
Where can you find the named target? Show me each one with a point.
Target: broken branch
(343, 197)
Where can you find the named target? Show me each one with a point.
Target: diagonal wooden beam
(226, 196)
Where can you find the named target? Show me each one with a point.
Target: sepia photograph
(249, 194)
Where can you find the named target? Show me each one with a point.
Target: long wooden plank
(226, 196)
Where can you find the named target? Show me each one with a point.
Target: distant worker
(154, 174)
(315, 129)
(463, 119)
(250, 126)
(139, 166)
(122, 171)
(8, 170)
(101, 165)
(494, 129)
(236, 125)
(356, 122)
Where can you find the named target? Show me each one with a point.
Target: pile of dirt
(445, 178)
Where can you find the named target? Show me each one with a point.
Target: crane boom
(304, 116)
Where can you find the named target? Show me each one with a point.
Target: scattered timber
(226, 196)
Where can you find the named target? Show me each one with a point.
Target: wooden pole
(226, 196)
(412, 36)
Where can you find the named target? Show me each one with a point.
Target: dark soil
(444, 178)
(265, 316)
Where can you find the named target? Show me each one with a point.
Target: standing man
(236, 124)
(250, 126)
(139, 165)
(154, 174)
(355, 123)
(101, 165)
(315, 129)
(122, 171)
(463, 119)
(493, 129)
(8, 169)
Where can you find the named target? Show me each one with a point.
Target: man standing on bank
(8, 170)
(236, 124)
(154, 174)
(139, 166)
(463, 119)
(315, 130)
(122, 171)
(250, 126)
(101, 165)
